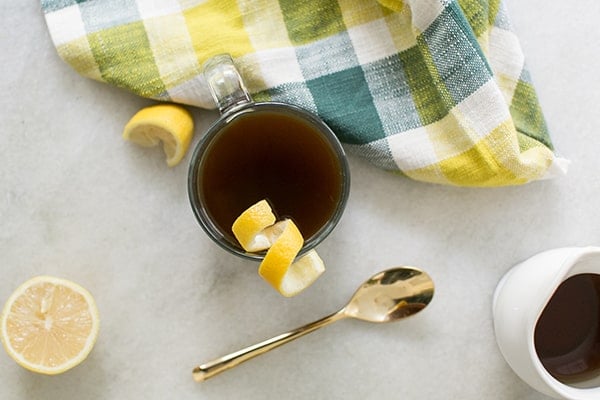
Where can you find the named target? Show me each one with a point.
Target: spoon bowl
(388, 296)
(391, 295)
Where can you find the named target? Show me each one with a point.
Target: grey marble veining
(76, 201)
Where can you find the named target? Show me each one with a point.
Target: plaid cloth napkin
(436, 90)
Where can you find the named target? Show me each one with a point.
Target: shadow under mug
(264, 150)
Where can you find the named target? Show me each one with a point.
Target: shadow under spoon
(388, 296)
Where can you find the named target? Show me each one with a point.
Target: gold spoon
(387, 296)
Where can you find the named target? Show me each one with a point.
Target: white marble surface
(78, 202)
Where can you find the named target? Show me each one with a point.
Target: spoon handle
(214, 367)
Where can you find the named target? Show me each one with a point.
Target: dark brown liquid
(567, 334)
(273, 156)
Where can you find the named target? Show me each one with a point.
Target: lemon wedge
(167, 123)
(256, 230)
(49, 325)
(249, 227)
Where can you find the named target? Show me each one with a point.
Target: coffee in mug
(265, 150)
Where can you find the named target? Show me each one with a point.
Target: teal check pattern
(435, 90)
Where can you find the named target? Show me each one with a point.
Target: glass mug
(264, 150)
(547, 321)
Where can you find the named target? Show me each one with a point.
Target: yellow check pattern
(436, 90)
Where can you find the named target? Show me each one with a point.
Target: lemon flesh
(169, 124)
(49, 325)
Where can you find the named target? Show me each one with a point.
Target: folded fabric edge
(557, 169)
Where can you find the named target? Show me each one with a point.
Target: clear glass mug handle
(225, 83)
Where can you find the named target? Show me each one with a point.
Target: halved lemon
(167, 123)
(49, 325)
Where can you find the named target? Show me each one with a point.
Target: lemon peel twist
(170, 124)
(256, 230)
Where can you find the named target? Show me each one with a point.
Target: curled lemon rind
(249, 227)
(167, 123)
(301, 274)
(256, 230)
(281, 254)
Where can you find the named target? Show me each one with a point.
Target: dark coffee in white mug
(567, 333)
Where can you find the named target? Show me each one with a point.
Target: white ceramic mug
(519, 300)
